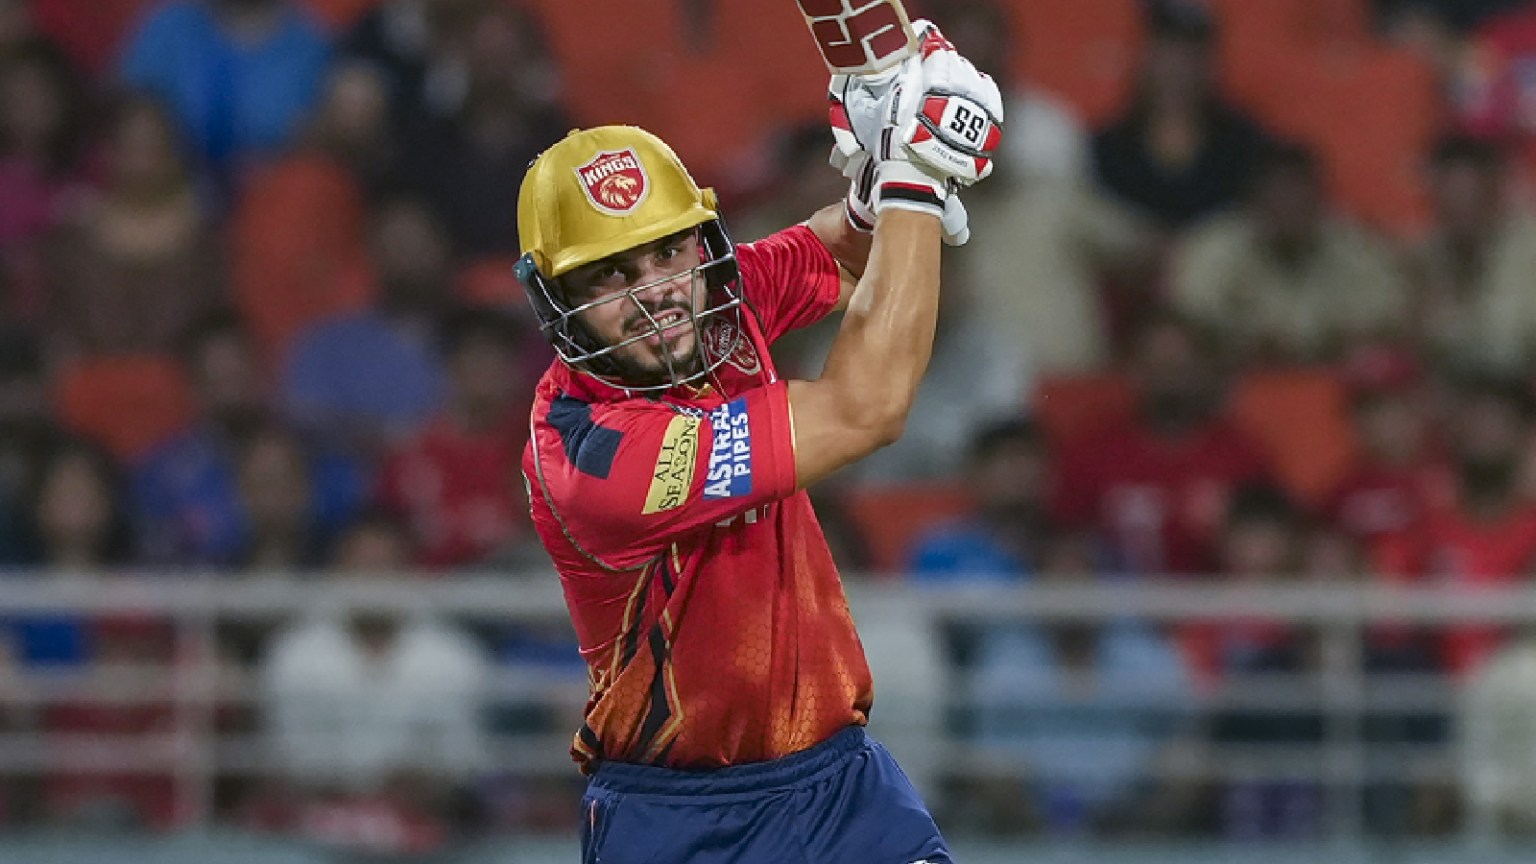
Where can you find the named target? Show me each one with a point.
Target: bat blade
(860, 37)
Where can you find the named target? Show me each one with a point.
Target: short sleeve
(790, 279)
(627, 480)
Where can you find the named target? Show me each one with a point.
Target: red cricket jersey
(456, 488)
(1452, 548)
(1376, 502)
(708, 609)
(1160, 502)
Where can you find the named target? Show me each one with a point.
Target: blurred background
(1211, 537)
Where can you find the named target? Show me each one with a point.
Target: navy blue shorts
(844, 801)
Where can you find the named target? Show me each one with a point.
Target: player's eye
(669, 251)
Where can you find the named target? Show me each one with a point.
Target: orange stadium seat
(1301, 418)
(644, 66)
(1304, 91)
(1067, 406)
(1376, 158)
(1085, 51)
(298, 249)
(125, 404)
(891, 517)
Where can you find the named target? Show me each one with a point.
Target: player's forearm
(880, 354)
(849, 247)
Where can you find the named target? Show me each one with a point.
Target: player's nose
(658, 283)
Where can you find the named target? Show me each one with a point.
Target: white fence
(900, 625)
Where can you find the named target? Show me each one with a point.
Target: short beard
(687, 366)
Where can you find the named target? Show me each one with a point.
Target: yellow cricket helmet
(599, 192)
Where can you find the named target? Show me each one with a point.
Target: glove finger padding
(845, 144)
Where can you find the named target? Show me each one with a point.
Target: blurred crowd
(1263, 306)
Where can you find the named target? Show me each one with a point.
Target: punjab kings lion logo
(722, 338)
(615, 181)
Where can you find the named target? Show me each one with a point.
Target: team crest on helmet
(615, 181)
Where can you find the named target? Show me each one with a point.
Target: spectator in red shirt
(1495, 93)
(458, 483)
(1261, 545)
(1391, 483)
(1157, 486)
(1486, 534)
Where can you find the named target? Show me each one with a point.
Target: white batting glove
(865, 193)
(935, 108)
(960, 122)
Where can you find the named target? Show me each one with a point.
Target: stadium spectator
(457, 483)
(1383, 494)
(1004, 540)
(82, 533)
(417, 47)
(351, 125)
(1050, 241)
(1262, 545)
(186, 492)
(1485, 534)
(364, 380)
(80, 529)
(76, 510)
(240, 75)
(1285, 279)
(1096, 710)
(282, 535)
(1179, 152)
(1497, 749)
(1156, 486)
(1046, 141)
(1494, 95)
(374, 716)
(41, 114)
(138, 262)
(1474, 270)
(469, 163)
(26, 432)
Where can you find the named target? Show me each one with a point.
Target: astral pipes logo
(730, 452)
(615, 181)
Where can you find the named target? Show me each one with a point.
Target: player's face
(633, 292)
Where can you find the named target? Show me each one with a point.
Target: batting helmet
(597, 193)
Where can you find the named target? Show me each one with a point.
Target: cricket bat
(860, 37)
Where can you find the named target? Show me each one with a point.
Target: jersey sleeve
(790, 279)
(627, 480)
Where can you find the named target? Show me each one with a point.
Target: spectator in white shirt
(373, 703)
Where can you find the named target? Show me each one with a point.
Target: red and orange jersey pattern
(711, 617)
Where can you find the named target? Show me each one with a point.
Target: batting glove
(936, 108)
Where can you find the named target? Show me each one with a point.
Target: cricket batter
(668, 465)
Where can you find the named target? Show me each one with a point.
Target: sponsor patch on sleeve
(673, 475)
(730, 452)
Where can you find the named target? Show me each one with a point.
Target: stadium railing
(902, 625)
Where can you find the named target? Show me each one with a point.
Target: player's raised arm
(912, 138)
